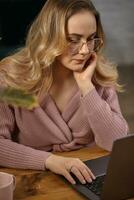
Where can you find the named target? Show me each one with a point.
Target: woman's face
(81, 29)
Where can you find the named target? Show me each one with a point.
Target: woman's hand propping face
(84, 77)
(63, 166)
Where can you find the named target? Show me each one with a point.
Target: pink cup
(7, 186)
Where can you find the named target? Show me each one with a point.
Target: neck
(61, 74)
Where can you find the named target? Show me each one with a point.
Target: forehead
(83, 23)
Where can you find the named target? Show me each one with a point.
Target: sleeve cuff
(91, 101)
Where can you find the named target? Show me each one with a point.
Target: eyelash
(76, 41)
(73, 41)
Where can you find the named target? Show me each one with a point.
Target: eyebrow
(79, 35)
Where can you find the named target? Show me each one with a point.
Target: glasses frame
(77, 46)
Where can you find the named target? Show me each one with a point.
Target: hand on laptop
(63, 166)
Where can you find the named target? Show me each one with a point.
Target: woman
(63, 65)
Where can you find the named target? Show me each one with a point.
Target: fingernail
(74, 183)
(83, 181)
(90, 180)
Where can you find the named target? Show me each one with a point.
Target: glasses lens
(97, 44)
(74, 47)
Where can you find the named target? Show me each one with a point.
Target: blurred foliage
(18, 98)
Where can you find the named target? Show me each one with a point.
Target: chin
(79, 67)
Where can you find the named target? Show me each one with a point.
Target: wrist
(86, 89)
(48, 161)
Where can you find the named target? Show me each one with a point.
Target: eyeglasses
(93, 45)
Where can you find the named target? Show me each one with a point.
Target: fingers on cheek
(94, 57)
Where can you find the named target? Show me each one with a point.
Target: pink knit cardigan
(95, 117)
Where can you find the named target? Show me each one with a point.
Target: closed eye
(73, 40)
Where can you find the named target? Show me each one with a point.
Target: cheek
(65, 59)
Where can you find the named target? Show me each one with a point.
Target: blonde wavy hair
(30, 69)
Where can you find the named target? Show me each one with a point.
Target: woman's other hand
(63, 166)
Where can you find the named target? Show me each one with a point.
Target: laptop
(114, 173)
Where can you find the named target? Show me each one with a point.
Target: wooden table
(39, 185)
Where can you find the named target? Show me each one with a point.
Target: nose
(84, 49)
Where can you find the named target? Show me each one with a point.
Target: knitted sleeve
(13, 154)
(104, 116)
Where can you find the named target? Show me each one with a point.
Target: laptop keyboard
(96, 185)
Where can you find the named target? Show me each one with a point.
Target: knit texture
(96, 117)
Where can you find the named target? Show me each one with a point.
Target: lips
(79, 60)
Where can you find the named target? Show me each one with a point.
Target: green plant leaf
(18, 98)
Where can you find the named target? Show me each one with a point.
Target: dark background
(15, 19)
(117, 19)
